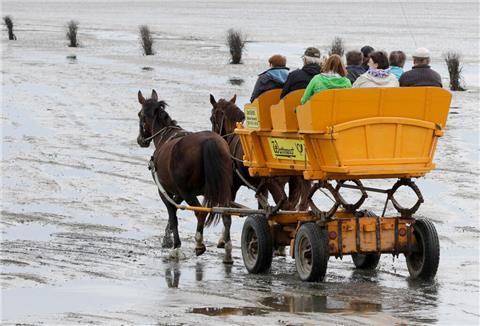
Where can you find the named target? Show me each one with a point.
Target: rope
(408, 24)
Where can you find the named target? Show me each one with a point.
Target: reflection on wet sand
(294, 304)
(172, 275)
(228, 269)
(199, 271)
(317, 303)
(228, 311)
(72, 58)
(236, 81)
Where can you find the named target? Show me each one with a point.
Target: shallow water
(81, 221)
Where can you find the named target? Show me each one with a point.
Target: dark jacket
(300, 78)
(421, 75)
(270, 79)
(354, 72)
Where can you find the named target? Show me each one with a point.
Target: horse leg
(262, 193)
(201, 217)
(167, 239)
(294, 191)
(221, 241)
(227, 222)
(276, 188)
(173, 226)
(305, 186)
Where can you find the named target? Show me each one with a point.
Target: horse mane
(161, 116)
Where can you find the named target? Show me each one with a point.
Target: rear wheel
(257, 247)
(311, 252)
(366, 261)
(423, 262)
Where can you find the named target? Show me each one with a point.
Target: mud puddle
(228, 311)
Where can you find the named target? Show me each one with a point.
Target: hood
(378, 80)
(330, 80)
(312, 69)
(278, 74)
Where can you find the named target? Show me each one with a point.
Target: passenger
(397, 61)
(300, 78)
(366, 50)
(272, 78)
(333, 76)
(354, 65)
(378, 75)
(421, 73)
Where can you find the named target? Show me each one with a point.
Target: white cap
(421, 53)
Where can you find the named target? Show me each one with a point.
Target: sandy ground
(81, 221)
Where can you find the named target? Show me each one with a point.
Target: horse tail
(217, 166)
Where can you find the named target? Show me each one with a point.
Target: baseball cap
(312, 52)
(421, 53)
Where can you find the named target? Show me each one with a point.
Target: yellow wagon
(344, 136)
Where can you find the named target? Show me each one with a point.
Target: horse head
(152, 116)
(225, 115)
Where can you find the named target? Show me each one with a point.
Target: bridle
(215, 122)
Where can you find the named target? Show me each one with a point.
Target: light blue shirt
(397, 71)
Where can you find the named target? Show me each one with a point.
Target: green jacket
(324, 81)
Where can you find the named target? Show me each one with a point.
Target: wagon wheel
(257, 246)
(311, 252)
(423, 261)
(366, 261)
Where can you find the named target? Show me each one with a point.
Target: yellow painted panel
(283, 115)
(285, 148)
(351, 133)
(261, 120)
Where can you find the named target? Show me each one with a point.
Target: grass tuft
(452, 59)
(72, 30)
(146, 40)
(235, 40)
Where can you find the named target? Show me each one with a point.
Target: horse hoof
(221, 244)
(167, 243)
(177, 254)
(280, 252)
(200, 250)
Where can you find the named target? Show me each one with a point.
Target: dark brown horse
(188, 164)
(224, 117)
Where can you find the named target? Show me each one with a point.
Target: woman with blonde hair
(333, 76)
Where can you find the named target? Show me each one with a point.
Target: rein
(156, 134)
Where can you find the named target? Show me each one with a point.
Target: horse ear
(154, 96)
(212, 100)
(234, 98)
(141, 99)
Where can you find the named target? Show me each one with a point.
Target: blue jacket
(270, 79)
(397, 71)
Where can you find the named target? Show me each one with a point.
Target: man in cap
(421, 73)
(300, 78)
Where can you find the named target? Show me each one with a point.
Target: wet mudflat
(81, 222)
